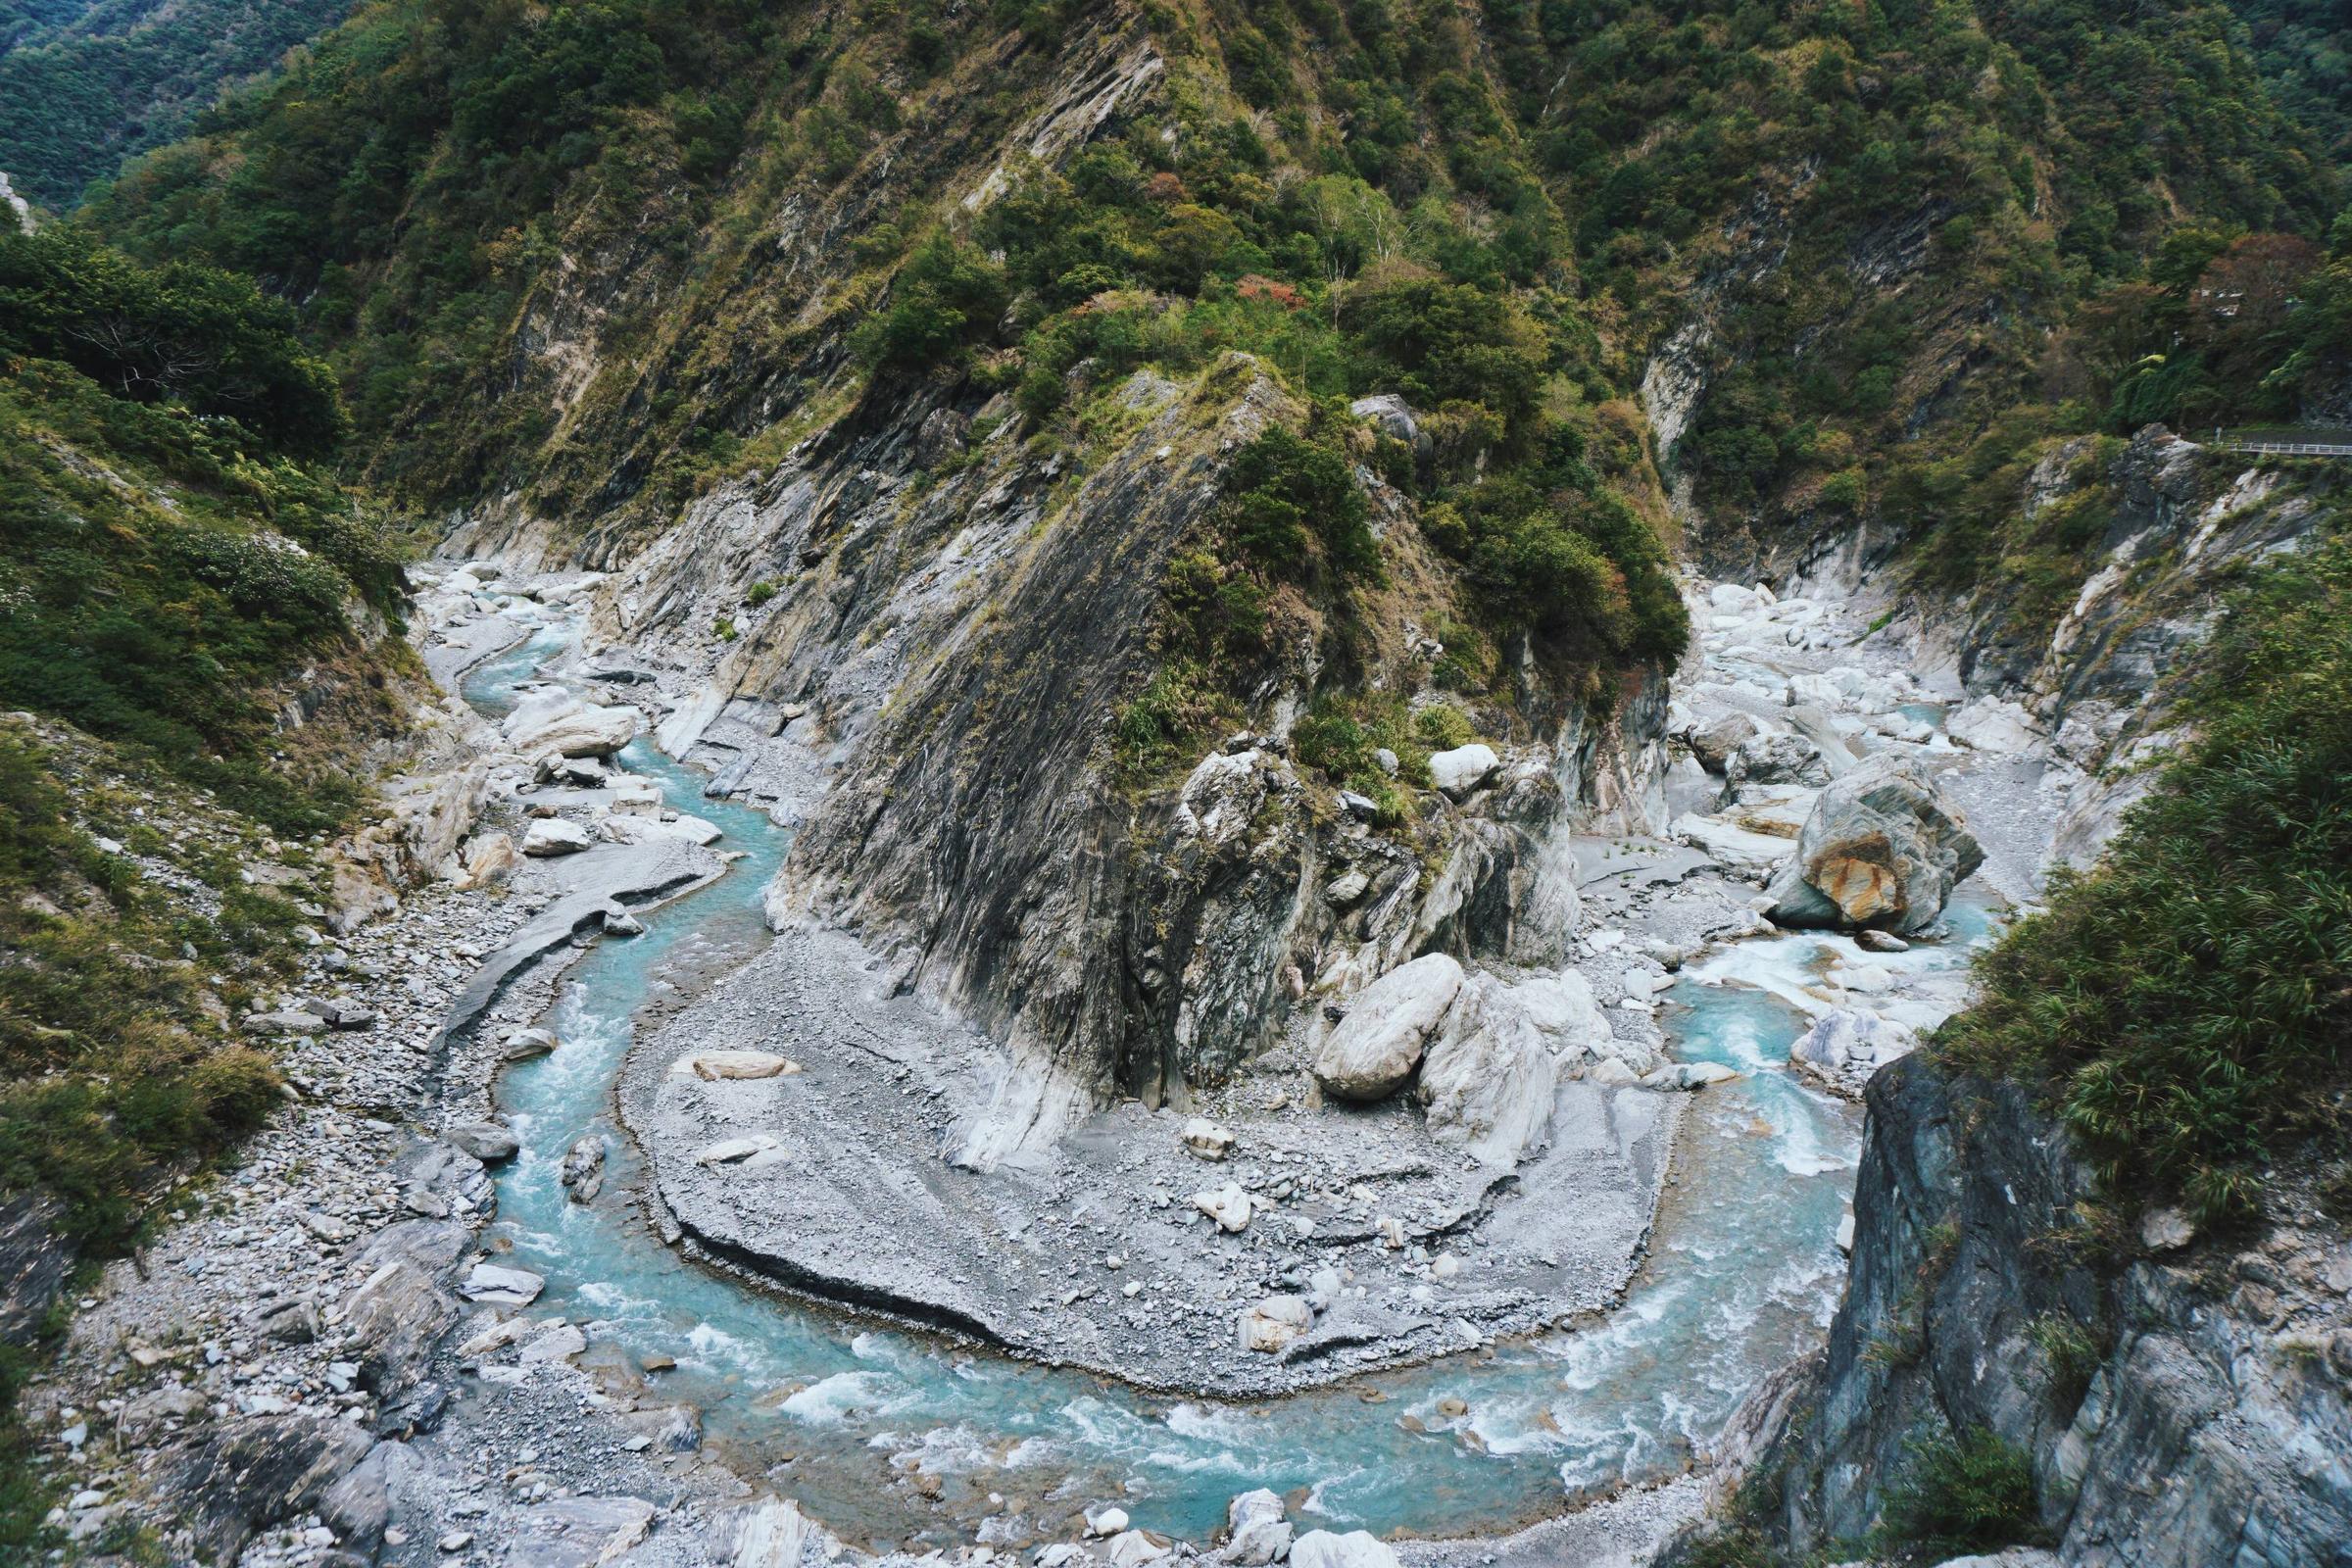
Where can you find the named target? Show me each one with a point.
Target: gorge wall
(2182, 1399)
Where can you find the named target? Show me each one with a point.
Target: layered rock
(2180, 1402)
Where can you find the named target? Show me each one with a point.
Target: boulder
(1256, 1531)
(1460, 771)
(1714, 742)
(1358, 1548)
(1842, 1050)
(716, 1064)
(558, 722)
(226, 1483)
(399, 1310)
(1686, 1075)
(1883, 849)
(1563, 1011)
(771, 1534)
(584, 1173)
(1374, 1049)
(1992, 724)
(753, 1151)
(1490, 1074)
(34, 1266)
(1130, 1548)
(582, 1532)
(1776, 759)
(1392, 416)
(359, 1507)
(1275, 1322)
(524, 1044)
(495, 1285)
(1227, 1205)
(1205, 1139)
(553, 835)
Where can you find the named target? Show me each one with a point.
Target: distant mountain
(82, 85)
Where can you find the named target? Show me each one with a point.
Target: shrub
(1296, 507)
(2074, 1354)
(2186, 1003)
(1960, 1494)
(1440, 342)
(947, 297)
(1442, 726)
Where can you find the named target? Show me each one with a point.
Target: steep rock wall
(2204, 1417)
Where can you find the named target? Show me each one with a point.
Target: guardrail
(2289, 449)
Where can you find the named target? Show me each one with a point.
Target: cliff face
(932, 631)
(2183, 1401)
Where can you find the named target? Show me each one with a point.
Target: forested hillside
(82, 87)
(435, 177)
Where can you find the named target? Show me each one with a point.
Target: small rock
(1229, 1207)
(1274, 1323)
(1205, 1139)
(2166, 1230)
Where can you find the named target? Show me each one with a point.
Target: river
(1743, 1274)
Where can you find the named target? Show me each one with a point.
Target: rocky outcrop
(226, 1483)
(2181, 1402)
(1881, 851)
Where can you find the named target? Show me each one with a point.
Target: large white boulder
(1463, 769)
(1375, 1048)
(557, 721)
(1992, 724)
(1358, 1548)
(1490, 1075)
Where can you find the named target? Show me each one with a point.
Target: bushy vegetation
(2003, 164)
(163, 568)
(2189, 1002)
(185, 335)
(1973, 1492)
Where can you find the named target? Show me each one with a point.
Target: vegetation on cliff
(2188, 1001)
(85, 84)
(172, 581)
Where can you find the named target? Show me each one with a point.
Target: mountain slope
(82, 87)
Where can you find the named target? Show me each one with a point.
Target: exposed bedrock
(2183, 1401)
(928, 681)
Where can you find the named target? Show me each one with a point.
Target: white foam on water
(1318, 1496)
(830, 1400)
(1207, 1423)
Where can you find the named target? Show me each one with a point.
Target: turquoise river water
(1743, 1274)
